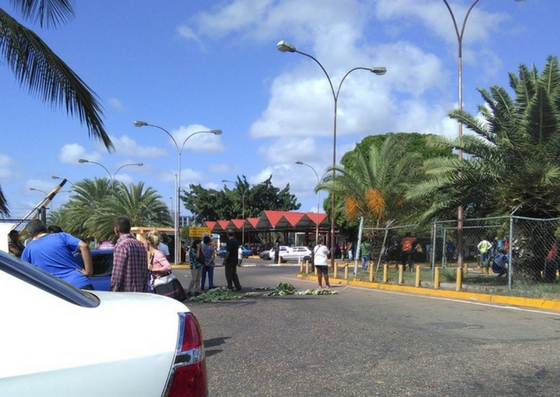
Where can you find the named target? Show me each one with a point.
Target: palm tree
(374, 184)
(91, 211)
(42, 72)
(512, 158)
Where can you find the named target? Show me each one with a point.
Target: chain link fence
(501, 252)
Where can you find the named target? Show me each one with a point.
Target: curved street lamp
(283, 46)
(45, 193)
(111, 176)
(318, 200)
(138, 123)
(58, 177)
(460, 32)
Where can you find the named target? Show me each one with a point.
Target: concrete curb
(549, 304)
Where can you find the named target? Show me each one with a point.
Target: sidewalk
(448, 291)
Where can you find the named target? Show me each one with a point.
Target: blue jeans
(365, 261)
(210, 271)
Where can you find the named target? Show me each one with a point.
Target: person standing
(158, 265)
(130, 259)
(320, 259)
(240, 256)
(407, 250)
(208, 269)
(14, 245)
(230, 262)
(196, 259)
(485, 249)
(54, 253)
(365, 251)
(162, 246)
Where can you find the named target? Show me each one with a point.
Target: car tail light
(188, 375)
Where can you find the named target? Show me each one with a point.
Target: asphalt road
(364, 342)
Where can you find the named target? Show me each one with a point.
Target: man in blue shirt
(54, 253)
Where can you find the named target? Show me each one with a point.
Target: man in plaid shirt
(130, 260)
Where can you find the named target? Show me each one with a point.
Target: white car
(297, 253)
(60, 341)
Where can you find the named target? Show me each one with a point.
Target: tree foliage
(94, 205)
(512, 157)
(42, 72)
(373, 180)
(212, 205)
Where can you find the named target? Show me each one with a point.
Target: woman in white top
(320, 261)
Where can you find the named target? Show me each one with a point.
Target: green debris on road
(282, 289)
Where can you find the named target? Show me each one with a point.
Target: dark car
(102, 268)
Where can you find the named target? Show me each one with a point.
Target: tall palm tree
(375, 183)
(512, 158)
(42, 72)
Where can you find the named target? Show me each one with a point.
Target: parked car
(102, 268)
(296, 253)
(54, 340)
(246, 252)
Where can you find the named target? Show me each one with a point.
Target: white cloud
(117, 104)
(6, 164)
(127, 146)
(71, 153)
(196, 137)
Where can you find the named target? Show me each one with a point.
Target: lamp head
(216, 132)
(299, 162)
(139, 164)
(81, 161)
(381, 70)
(284, 46)
(140, 123)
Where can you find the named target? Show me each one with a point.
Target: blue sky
(197, 65)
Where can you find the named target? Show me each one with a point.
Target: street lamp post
(58, 177)
(179, 154)
(283, 46)
(318, 201)
(242, 211)
(460, 32)
(111, 176)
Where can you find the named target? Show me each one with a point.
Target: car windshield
(40, 279)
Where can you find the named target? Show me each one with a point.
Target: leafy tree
(42, 72)
(384, 168)
(374, 182)
(512, 158)
(210, 204)
(92, 209)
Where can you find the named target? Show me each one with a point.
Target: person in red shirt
(407, 250)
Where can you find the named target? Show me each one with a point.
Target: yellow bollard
(436, 278)
(371, 272)
(401, 275)
(385, 273)
(335, 270)
(459, 279)
(418, 278)
(465, 269)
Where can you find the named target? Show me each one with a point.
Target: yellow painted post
(335, 270)
(465, 269)
(418, 278)
(371, 272)
(436, 278)
(459, 279)
(385, 273)
(401, 275)
(346, 272)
